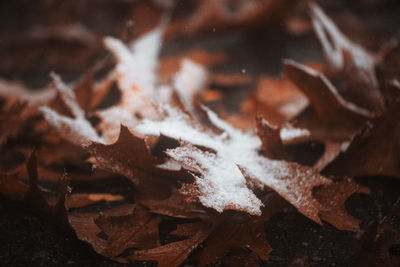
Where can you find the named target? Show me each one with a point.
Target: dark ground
(26, 238)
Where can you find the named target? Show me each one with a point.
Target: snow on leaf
(17, 91)
(225, 187)
(220, 184)
(136, 76)
(349, 59)
(188, 166)
(330, 116)
(77, 130)
(188, 82)
(137, 62)
(290, 180)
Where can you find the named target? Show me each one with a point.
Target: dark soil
(27, 238)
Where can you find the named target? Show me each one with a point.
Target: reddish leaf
(139, 229)
(375, 150)
(350, 60)
(271, 140)
(127, 156)
(333, 198)
(81, 200)
(173, 254)
(330, 117)
(10, 184)
(11, 121)
(236, 230)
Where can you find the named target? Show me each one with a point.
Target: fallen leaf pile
(216, 176)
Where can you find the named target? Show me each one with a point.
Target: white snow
(17, 91)
(231, 155)
(188, 82)
(136, 76)
(137, 62)
(289, 133)
(77, 130)
(221, 183)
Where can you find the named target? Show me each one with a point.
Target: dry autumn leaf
(165, 172)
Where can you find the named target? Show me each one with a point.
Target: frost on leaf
(136, 76)
(350, 60)
(188, 82)
(221, 185)
(16, 91)
(78, 129)
(218, 167)
(329, 116)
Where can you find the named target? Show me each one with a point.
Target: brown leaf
(15, 91)
(295, 184)
(81, 200)
(350, 60)
(35, 197)
(33, 194)
(271, 140)
(215, 167)
(86, 230)
(330, 117)
(10, 184)
(170, 65)
(139, 229)
(375, 149)
(84, 226)
(173, 254)
(77, 129)
(331, 151)
(11, 121)
(236, 230)
(176, 205)
(333, 198)
(128, 156)
(276, 100)
(135, 73)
